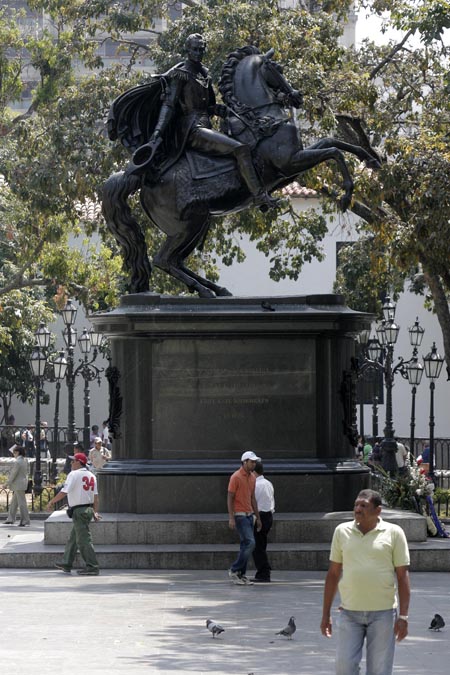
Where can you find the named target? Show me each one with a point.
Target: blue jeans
(244, 527)
(377, 628)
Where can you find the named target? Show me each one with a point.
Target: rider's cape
(134, 114)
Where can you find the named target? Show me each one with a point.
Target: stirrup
(265, 201)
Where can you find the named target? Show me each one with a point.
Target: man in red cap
(80, 489)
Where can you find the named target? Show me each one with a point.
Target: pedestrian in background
(242, 511)
(105, 435)
(264, 495)
(99, 455)
(367, 451)
(369, 558)
(17, 482)
(401, 457)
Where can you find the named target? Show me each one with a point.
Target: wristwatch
(403, 617)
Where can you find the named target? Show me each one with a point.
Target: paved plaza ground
(154, 622)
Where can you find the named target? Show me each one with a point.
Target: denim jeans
(244, 527)
(377, 628)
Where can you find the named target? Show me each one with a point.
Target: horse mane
(225, 85)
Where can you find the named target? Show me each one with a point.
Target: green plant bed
(441, 494)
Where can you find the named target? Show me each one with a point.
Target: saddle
(206, 166)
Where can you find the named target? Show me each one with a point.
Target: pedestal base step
(432, 556)
(211, 528)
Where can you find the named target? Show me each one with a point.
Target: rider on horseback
(188, 97)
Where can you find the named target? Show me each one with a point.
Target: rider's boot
(261, 197)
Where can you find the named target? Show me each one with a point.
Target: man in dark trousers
(264, 494)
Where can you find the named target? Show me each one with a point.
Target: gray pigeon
(214, 627)
(290, 629)
(437, 623)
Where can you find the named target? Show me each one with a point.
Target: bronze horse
(183, 198)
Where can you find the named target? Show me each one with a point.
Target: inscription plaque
(212, 399)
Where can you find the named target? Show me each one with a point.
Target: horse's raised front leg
(371, 161)
(306, 159)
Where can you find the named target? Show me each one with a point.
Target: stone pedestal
(194, 383)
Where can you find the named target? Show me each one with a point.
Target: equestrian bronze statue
(187, 172)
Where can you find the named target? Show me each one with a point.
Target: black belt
(79, 506)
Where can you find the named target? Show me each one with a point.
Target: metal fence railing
(54, 442)
(37, 503)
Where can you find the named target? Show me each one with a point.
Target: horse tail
(125, 228)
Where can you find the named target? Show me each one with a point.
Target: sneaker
(239, 581)
(261, 580)
(64, 568)
(246, 580)
(86, 572)
(236, 578)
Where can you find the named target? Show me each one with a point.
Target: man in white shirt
(99, 455)
(81, 491)
(401, 456)
(264, 494)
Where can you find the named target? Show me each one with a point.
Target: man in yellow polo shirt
(369, 561)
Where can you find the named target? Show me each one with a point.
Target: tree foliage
(20, 314)
(55, 155)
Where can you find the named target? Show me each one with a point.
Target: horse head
(252, 81)
(244, 84)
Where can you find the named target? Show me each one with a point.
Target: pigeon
(437, 623)
(214, 627)
(290, 629)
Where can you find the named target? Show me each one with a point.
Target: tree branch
(391, 55)
(358, 208)
(20, 281)
(441, 308)
(5, 129)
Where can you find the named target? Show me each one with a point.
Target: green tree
(392, 99)
(405, 207)
(20, 314)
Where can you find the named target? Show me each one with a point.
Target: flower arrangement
(411, 491)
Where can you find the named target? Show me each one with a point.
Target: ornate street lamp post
(69, 314)
(90, 372)
(59, 372)
(375, 417)
(414, 371)
(433, 366)
(380, 356)
(38, 361)
(86, 368)
(389, 335)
